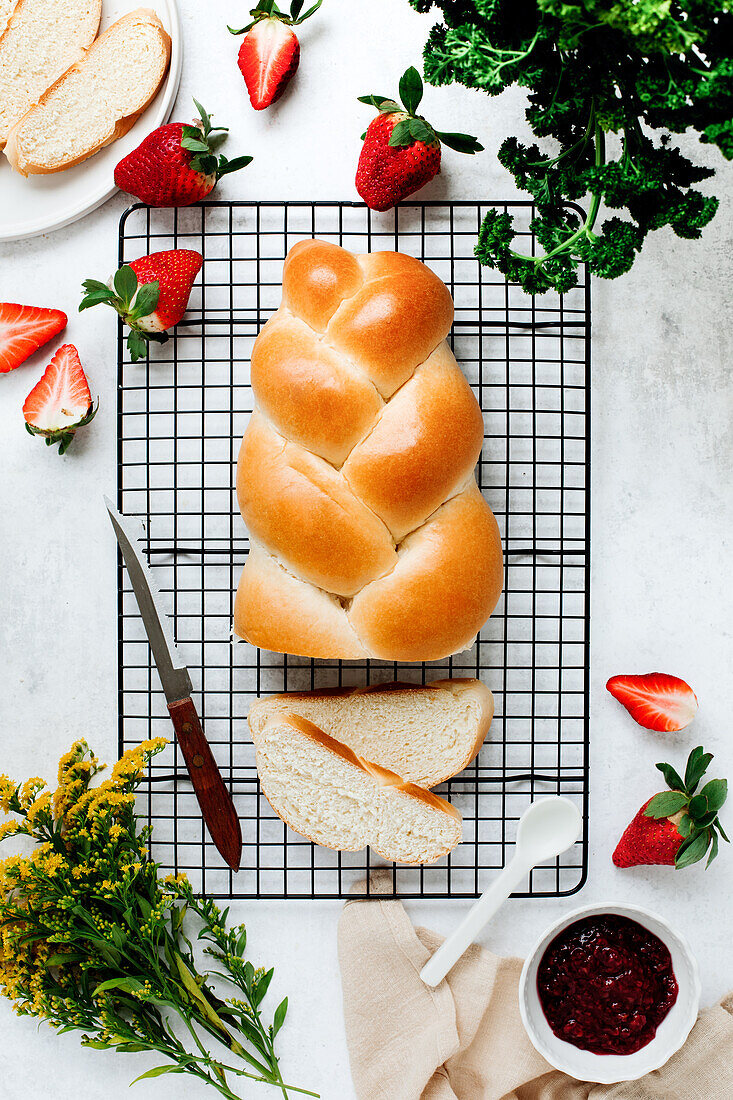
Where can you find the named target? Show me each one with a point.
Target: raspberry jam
(605, 984)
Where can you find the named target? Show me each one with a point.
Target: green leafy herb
(594, 70)
(93, 940)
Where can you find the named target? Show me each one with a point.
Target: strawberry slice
(270, 53)
(25, 329)
(61, 402)
(656, 701)
(150, 294)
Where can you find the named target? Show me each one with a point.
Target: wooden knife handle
(213, 796)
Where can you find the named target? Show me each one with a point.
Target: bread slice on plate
(7, 7)
(97, 100)
(425, 734)
(331, 796)
(42, 39)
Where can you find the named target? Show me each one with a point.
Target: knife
(213, 796)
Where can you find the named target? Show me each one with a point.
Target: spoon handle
(479, 914)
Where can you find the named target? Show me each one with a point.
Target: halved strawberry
(401, 150)
(656, 700)
(177, 164)
(25, 329)
(680, 826)
(150, 294)
(270, 53)
(61, 402)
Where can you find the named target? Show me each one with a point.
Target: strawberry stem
(201, 141)
(268, 9)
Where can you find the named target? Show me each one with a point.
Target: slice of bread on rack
(331, 796)
(7, 7)
(42, 39)
(96, 101)
(426, 734)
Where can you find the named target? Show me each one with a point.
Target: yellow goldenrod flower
(29, 790)
(7, 790)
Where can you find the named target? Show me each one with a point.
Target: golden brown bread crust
(290, 703)
(382, 776)
(305, 513)
(394, 322)
(449, 571)
(307, 391)
(364, 434)
(275, 610)
(417, 444)
(121, 127)
(317, 276)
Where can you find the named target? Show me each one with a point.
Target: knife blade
(212, 793)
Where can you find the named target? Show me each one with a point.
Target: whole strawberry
(61, 402)
(401, 151)
(150, 294)
(270, 53)
(177, 164)
(677, 827)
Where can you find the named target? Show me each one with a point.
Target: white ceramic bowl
(611, 1068)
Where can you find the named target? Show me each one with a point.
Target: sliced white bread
(333, 797)
(425, 734)
(96, 101)
(42, 39)
(7, 7)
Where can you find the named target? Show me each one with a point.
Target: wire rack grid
(181, 415)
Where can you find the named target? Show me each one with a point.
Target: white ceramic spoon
(546, 829)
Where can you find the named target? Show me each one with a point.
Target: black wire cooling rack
(181, 416)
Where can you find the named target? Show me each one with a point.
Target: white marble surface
(662, 519)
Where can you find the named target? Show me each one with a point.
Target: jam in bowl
(605, 984)
(609, 993)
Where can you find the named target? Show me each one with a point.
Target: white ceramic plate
(40, 204)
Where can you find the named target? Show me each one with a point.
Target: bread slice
(97, 100)
(7, 7)
(333, 797)
(42, 39)
(425, 734)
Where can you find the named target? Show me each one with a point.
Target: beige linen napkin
(465, 1040)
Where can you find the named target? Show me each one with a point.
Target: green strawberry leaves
(125, 283)
(415, 128)
(132, 301)
(697, 765)
(411, 90)
(382, 103)
(699, 826)
(672, 777)
(268, 9)
(64, 436)
(715, 793)
(202, 140)
(666, 804)
(462, 143)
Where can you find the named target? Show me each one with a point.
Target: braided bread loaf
(369, 536)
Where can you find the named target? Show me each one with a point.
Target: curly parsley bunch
(92, 940)
(609, 80)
